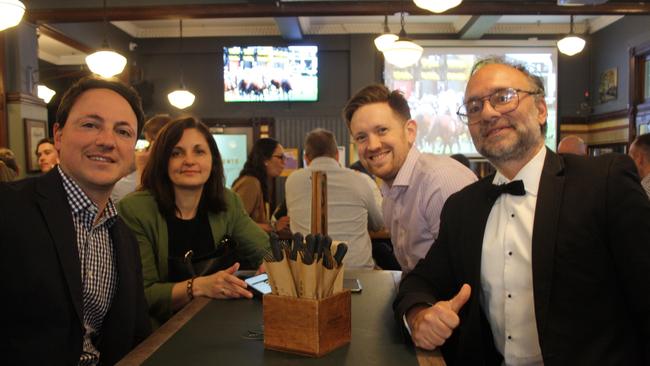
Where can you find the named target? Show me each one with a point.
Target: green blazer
(140, 212)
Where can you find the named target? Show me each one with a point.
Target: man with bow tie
(544, 262)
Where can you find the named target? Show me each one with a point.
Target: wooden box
(305, 326)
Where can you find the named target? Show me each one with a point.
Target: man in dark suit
(71, 278)
(544, 262)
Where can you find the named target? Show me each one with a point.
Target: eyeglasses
(280, 156)
(502, 100)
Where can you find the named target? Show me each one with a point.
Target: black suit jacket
(590, 263)
(40, 280)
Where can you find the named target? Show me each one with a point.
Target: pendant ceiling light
(437, 6)
(571, 44)
(106, 62)
(181, 98)
(45, 93)
(403, 52)
(386, 38)
(11, 12)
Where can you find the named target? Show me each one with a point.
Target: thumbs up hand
(432, 326)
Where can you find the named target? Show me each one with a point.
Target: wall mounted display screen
(270, 74)
(435, 88)
(233, 155)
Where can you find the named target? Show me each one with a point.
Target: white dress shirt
(506, 269)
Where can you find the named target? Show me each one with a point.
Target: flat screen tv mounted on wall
(270, 74)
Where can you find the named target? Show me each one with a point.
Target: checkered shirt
(97, 257)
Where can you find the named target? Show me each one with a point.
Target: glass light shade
(403, 53)
(571, 45)
(11, 12)
(385, 40)
(437, 6)
(45, 93)
(106, 63)
(181, 98)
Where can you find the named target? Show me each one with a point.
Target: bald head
(640, 153)
(572, 145)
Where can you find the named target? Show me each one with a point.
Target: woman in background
(264, 163)
(182, 206)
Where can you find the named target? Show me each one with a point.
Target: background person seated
(9, 158)
(47, 155)
(353, 199)
(183, 205)
(265, 162)
(6, 174)
(640, 153)
(572, 145)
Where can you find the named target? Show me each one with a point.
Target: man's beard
(526, 141)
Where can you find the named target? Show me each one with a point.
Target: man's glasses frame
(502, 100)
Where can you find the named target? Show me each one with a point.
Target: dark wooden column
(3, 95)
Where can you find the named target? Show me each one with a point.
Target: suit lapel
(476, 214)
(51, 198)
(547, 212)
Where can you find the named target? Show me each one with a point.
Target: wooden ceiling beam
(325, 8)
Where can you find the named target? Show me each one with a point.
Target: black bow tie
(515, 188)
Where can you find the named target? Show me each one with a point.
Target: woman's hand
(222, 285)
(282, 223)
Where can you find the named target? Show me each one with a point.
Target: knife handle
(308, 253)
(297, 245)
(341, 250)
(276, 248)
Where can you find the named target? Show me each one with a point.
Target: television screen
(435, 88)
(270, 74)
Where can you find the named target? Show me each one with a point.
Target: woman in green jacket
(183, 206)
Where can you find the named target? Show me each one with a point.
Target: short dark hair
(320, 142)
(154, 124)
(535, 80)
(155, 176)
(9, 158)
(642, 144)
(255, 163)
(94, 82)
(44, 140)
(377, 93)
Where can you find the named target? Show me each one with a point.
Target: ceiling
(293, 20)
(455, 26)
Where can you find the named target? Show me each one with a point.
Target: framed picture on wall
(608, 88)
(34, 131)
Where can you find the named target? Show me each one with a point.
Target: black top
(184, 235)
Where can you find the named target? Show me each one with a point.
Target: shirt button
(509, 296)
(512, 215)
(509, 337)
(509, 253)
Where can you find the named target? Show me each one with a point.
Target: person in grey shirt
(353, 199)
